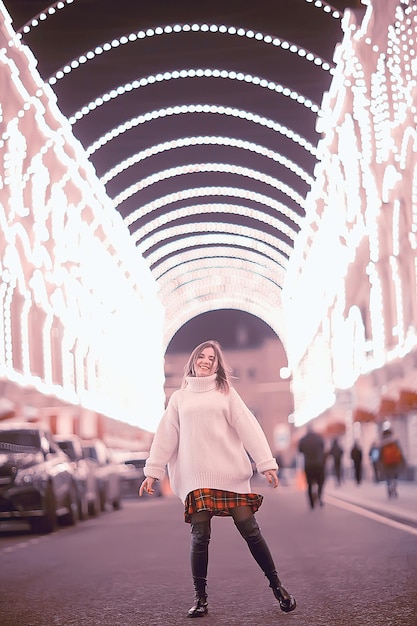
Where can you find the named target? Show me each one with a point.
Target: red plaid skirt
(218, 502)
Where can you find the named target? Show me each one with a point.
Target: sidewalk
(373, 497)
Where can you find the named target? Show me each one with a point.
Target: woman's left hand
(271, 477)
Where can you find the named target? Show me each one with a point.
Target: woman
(205, 437)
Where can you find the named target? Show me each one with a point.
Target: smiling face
(205, 362)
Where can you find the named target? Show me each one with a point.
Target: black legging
(200, 539)
(314, 474)
(247, 526)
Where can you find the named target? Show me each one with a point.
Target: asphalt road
(131, 568)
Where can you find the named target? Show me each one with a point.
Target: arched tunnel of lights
(217, 226)
(196, 159)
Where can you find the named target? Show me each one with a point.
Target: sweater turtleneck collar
(201, 383)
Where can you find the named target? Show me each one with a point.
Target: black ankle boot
(200, 533)
(200, 606)
(286, 601)
(250, 531)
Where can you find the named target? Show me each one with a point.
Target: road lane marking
(353, 508)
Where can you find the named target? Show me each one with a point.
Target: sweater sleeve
(251, 434)
(165, 442)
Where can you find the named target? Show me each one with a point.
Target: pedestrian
(205, 438)
(336, 451)
(356, 456)
(391, 461)
(312, 447)
(374, 456)
(281, 474)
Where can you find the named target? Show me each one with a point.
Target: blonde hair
(223, 371)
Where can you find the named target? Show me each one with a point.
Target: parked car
(37, 482)
(132, 475)
(106, 471)
(88, 492)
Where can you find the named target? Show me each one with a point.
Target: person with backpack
(391, 461)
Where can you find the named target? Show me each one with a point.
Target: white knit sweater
(203, 437)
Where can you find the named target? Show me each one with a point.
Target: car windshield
(19, 440)
(68, 448)
(90, 453)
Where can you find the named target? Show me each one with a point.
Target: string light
(199, 192)
(206, 141)
(183, 29)
(61, 243)
(192, 73)
(364, 176)
(199, 109)
(174, 264)
(210, 209)
(240, 240)
(361, 191)
(42, 16)
(219, 293)
(326, 8)
(194, 168)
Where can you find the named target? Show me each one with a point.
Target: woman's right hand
(147, 486)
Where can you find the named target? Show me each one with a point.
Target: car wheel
(116, 504)
(71, 518)
(46, 523)
(102, 499)
(94, 507)
(83, 511)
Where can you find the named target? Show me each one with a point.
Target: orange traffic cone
(300, 481)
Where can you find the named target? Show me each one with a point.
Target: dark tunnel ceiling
(85, 24)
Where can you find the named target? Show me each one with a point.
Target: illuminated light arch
(13, 268)
(373, 95)
(17, 233)
(326, 8)
(183, 286)
(52, 9)
(391, 176)
(42, 16)
(184, 311)
(61, 234)
(253, 257)
(223, 278)
(226, 268)
(194, 268)
(211, 109)
(234, 288)
(176, 29)
(222, 239)
(223, 168)
(14, 298)
(213, 227)
(198, 192)
(257, 81)
(408, 143)
(206, 140)
(212, 208)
